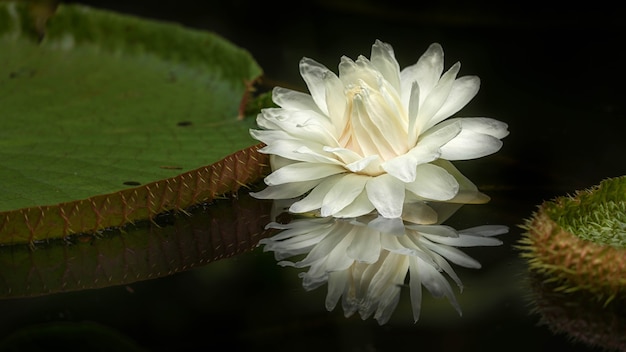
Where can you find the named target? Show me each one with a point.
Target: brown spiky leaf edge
(571, 242)
(42, 223)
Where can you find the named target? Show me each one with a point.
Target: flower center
(375, 122)
(347, 137)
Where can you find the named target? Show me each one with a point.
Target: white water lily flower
(367, 267)
(374, 137)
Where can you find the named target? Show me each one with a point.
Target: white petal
(404, 167)
(426, 72)
(437, 98)
(306, 125)
(295, 125)
(426, 150)
(343, 193)
(293, 100)
(419, 213)
(463, 90)
(485, 125)
(302, 171)
(387, 120)
(468, 192)
(354, 73)
(311, 152)
(299, 150)
(383, 58)
(412, 107)
(346, 155)
(369, 135)
(469, 197)
(439, 135)
(336, 101)
(285, 191)
(266, 118)
(268, 136)
(277, 162)
(315, 198)
(479, 136)
(313, 74)
(360, 206)
(433, 182)
(387, 194)
(369, 165)
(470, 145)
(285, 119)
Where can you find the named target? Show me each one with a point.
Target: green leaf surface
(106, 102)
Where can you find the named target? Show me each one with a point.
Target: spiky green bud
(579, 242)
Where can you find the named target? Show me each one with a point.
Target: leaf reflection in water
(173, 242)
(366, 260)
(578, 314)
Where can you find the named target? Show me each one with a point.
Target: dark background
(554, 74)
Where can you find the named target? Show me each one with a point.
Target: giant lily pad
(107, 119)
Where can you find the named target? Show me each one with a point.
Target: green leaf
(105, 104)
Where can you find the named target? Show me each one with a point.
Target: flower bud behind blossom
(375, 138)
(366, 266)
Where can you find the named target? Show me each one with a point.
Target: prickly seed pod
(578, 243)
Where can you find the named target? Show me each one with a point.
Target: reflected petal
(368, 267)
(436, 283)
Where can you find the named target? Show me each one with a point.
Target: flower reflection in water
(365, 260)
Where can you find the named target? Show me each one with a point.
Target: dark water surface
(556, 77)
